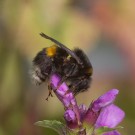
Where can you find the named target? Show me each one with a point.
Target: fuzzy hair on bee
(73, 66)
(47, 61)
(37, 76)
(79, 75)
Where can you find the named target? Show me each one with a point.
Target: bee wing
(63, 47)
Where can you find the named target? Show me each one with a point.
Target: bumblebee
(73, 66)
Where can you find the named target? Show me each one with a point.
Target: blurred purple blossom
(101, 112)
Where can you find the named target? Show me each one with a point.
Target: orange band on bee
(51, 51)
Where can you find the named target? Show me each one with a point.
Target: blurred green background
(104, 29)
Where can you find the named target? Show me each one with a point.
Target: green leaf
(53, 124)
(102, 130)
(119, 127)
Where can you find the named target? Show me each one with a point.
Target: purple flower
(105, 100)
(95, 108)
(63, 93)
(67, 98)
(101, 113)
(110, 116)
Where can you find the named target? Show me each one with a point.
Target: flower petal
(96, 106)
(55, 79)
(105, 100)
(110, 116)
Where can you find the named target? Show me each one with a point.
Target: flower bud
(69, 116)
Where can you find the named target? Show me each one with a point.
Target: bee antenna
(62, 46)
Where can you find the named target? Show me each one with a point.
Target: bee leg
(77, 86)
(77, 92)
(50, 92)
